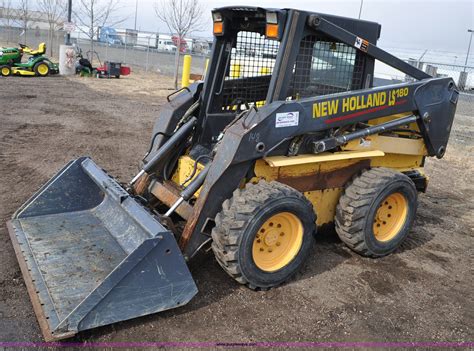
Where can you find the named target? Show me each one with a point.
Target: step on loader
(286, 134)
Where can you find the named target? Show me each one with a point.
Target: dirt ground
(422, 292)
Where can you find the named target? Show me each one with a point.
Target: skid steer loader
(285, 135)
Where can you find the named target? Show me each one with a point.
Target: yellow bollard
(265, 71)
(235, 71)
(186, 71)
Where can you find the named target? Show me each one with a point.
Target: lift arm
(329, 28)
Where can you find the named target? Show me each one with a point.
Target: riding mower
(251, 164)
(106, 70)
(36, 65)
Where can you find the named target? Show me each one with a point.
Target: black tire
(5, 71)
(363, 203)
(39, 72)
(243, 215)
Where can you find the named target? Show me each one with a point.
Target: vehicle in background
(200, 46)
(129, 37)
(81, 33)
(109, 35)
(181, 42)
(166, 45)
(147, 40)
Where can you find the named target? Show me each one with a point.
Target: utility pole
(66, 51)
(69, 13)
(360, 10)
(136, 12)
(462, 81)
(468, 49)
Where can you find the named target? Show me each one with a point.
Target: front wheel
(5, 71)
(263, 234)
(41, 69)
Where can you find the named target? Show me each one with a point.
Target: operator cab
(252, 43)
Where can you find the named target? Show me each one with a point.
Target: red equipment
(112, 69)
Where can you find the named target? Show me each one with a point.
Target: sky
(411, 25)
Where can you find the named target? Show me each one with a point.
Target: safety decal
(361, 44)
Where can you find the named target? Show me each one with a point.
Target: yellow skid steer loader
(287, 133)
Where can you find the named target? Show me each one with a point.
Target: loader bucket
(92, 255)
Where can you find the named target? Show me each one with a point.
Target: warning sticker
(287, 119)
(361, 44)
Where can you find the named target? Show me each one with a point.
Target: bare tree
(7, 14)
(24, 17)
(55, 11)
(181, 17)
(93, 14)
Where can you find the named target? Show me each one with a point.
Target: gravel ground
(422, 292)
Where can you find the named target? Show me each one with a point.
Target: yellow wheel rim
(277, 242)
(43, 69)
(390, 217)
(5, 71)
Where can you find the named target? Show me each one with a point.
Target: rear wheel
(41, 69)
(5, 71)
(376, 211)
(263, 234)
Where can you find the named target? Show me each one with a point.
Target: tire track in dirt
(421, 292)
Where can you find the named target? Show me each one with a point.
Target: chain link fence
(146, 57)
(155, 52)
(11, 36)
(462, 75)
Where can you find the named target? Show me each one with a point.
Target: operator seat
(40, 51)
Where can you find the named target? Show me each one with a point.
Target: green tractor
(37, 64)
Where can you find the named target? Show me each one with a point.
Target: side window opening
(324, 66)
(249, 71)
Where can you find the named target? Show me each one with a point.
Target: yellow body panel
(184, 170)
(326, 166)
(280, 161)
(396, 145)
(399, 162)
(325, 200)
(265, 171)
(324, 203)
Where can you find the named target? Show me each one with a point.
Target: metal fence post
(147, 54)
(106, 46)
(125, 50)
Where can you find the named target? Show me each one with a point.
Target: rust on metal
(35, 301)
(194, 76)
(141, 185)
(324, 180)
(168, 196)
(191, 222)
